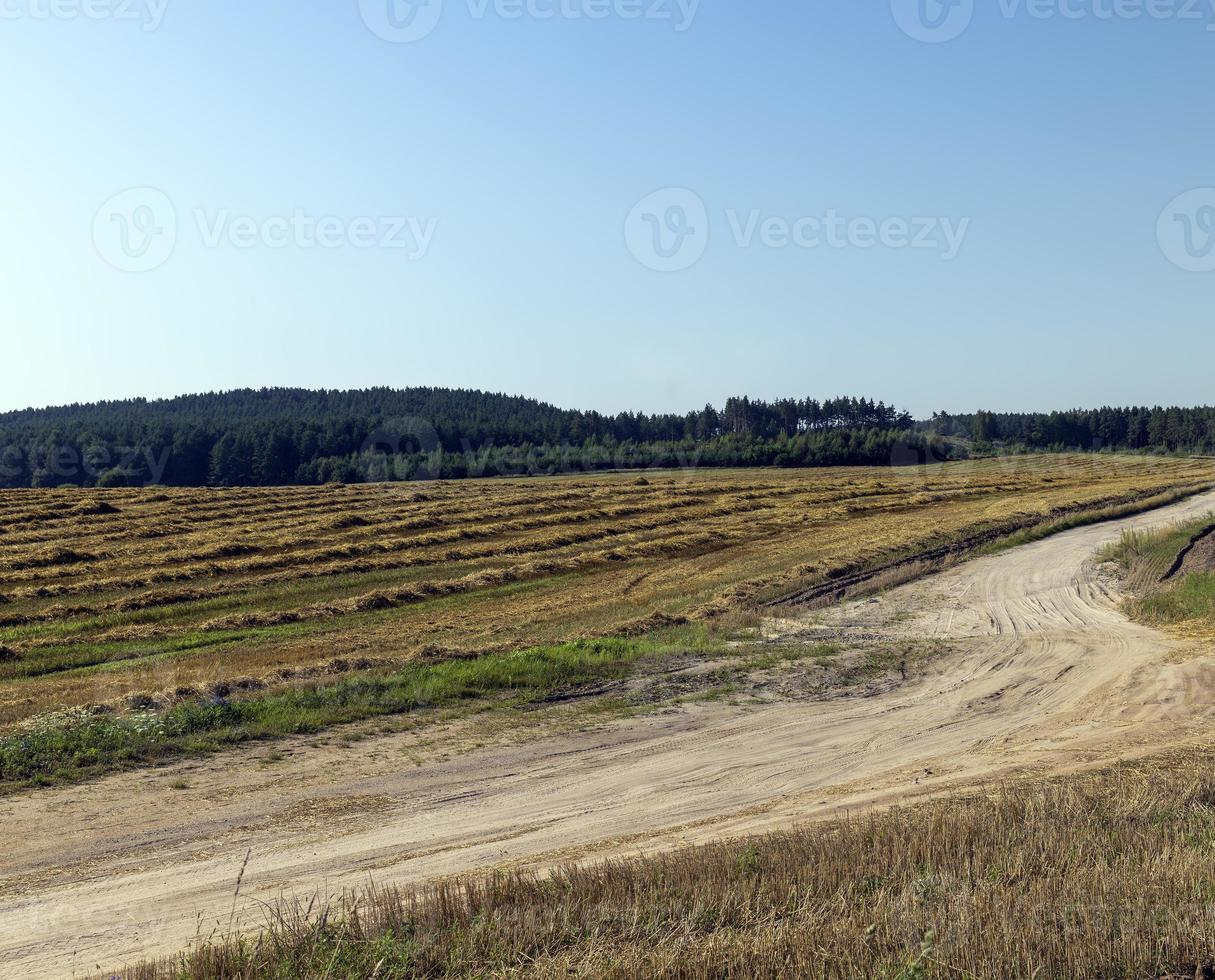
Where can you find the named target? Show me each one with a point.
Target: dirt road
(1044, 674)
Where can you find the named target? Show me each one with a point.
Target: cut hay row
(105, 594)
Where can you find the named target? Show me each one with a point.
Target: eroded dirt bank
(1043, 674)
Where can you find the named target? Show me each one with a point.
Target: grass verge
(75, 745)
(1106, 875)
(989, 538)
(1100, 515)
(1191, 599)
(1149, 564)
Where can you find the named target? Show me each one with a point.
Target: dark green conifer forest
(294, 436)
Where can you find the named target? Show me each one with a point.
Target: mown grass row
(76, 745)
(262, 631)
(73, 745)
(1093, 876)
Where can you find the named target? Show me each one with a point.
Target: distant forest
(1158, 430)
(295, 436)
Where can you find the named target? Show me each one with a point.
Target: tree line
(1137, 429)
(280, 436)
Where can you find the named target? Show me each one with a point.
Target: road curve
(1043, 674)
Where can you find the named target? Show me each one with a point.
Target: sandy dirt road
(1044, 674)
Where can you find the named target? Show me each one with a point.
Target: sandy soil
(1043, 674)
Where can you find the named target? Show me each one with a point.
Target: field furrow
(117, 597)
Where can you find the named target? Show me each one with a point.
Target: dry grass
(1170, 573)
(110, 596)
(1147, 557)
(1092, 876)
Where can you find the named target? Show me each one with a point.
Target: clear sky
(488, 181)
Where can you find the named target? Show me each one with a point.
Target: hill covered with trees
(286, 435)
(295, 436)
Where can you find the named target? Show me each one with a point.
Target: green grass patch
(1145, 557)
(1153, 551)
(771, 656)
(1191, 598)
(80, 744)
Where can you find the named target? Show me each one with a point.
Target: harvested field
(132, 597)
(1036, 673)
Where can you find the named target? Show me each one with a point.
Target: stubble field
(540, 671)
(141, 599)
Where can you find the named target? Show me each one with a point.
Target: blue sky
(490, 192)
